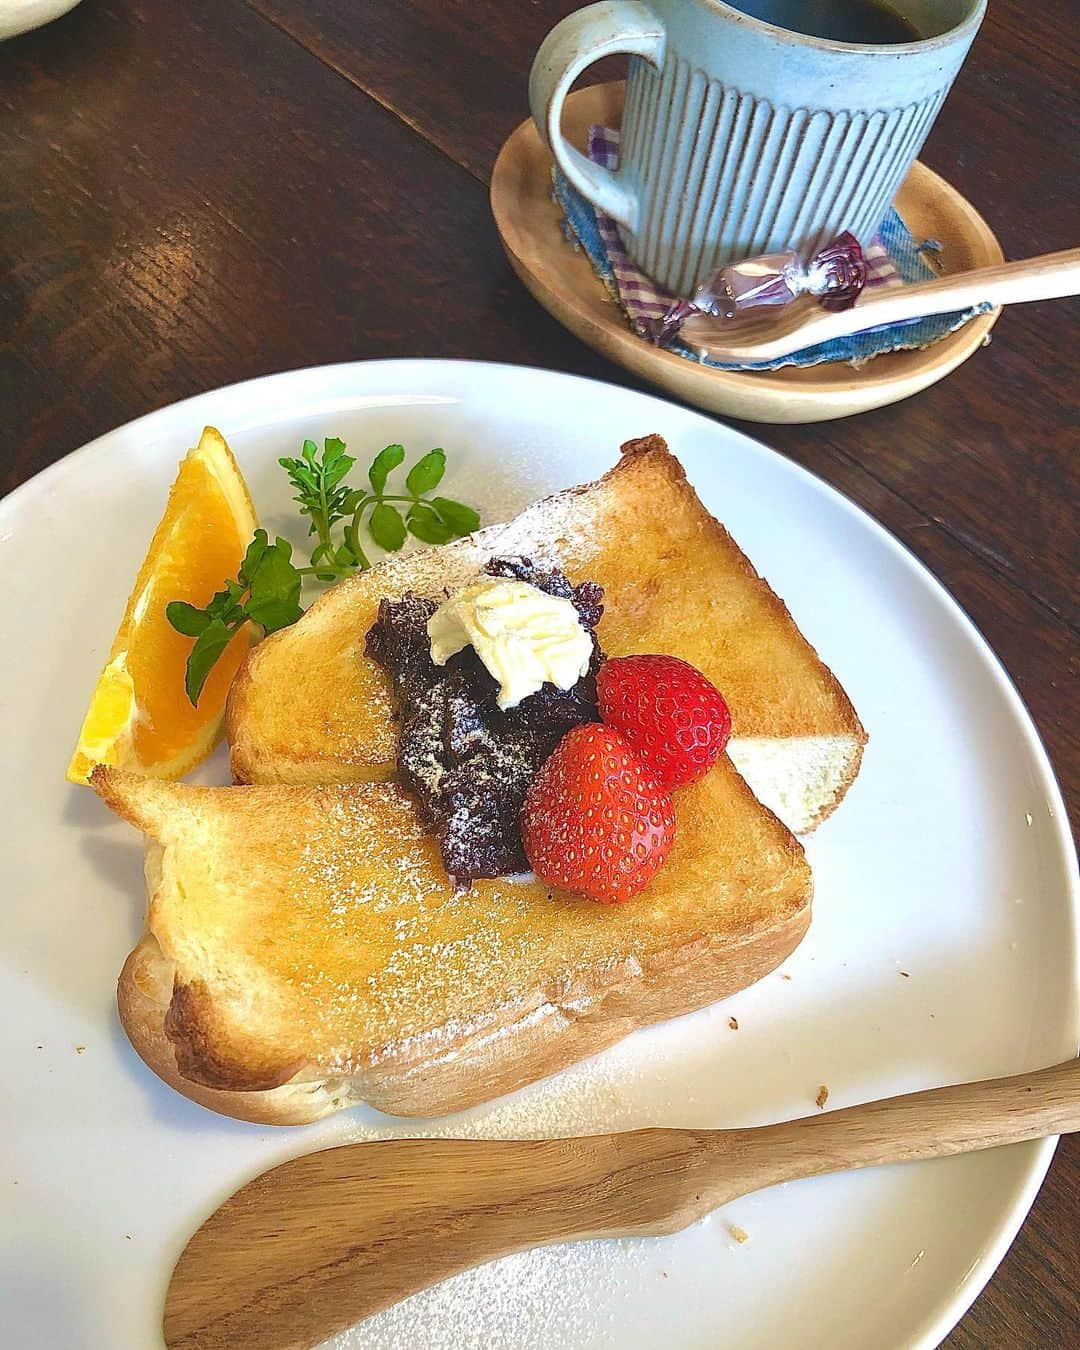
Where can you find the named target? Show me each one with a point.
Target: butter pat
(524, 636)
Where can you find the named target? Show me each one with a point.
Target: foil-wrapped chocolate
(836, 275)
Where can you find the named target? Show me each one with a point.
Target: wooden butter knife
(314, 1245)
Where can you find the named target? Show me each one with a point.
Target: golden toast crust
(221, 1008)
(675, 581)
(692, 978)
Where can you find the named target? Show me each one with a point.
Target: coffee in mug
(871, 21)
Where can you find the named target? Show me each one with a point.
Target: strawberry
(595, 821)
(674, 717)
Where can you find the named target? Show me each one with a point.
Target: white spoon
(767, 333)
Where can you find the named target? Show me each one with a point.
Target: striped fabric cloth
(892, 259)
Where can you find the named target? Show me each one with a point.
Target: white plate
(19, 16)
(950, 861)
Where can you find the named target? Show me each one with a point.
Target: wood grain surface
(199, 193)
(314, 1245)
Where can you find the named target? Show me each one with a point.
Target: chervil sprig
(266, 591)
(327, 501)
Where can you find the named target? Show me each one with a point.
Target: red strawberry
(595, 820)
(674, 717)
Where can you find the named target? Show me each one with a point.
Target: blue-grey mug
(741, 135)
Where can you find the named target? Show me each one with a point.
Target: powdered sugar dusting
(555, 532)
(593, 1096)
(368, 882)
(468, 760)
(347, 714)
(399, 962)
(581, 1294)
(536, 1300)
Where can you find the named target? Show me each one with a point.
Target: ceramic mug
(742, 137)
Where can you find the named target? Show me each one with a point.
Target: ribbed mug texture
(741, 137)
(721, 174)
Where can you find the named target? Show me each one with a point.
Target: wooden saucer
(562, 279)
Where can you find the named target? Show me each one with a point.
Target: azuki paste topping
(468, 763)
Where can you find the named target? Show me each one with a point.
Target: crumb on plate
(733, 1023)
(739, 1234)
(822, 1097)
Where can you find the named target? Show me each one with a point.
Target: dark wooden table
(197, 193)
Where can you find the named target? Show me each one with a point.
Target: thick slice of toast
(308, 706)
(304, 949)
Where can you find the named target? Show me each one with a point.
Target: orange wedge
(139, 716)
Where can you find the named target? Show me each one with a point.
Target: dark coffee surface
(864, 21)
(467, 762)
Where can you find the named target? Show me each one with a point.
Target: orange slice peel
(139, 716)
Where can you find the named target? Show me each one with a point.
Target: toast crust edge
(247, 761)
(176, 1028)
(143, 993)
(245, 757)
(468, 1070)
(654, 444)
(854, 764)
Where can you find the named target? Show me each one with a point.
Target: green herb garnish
(267, 590)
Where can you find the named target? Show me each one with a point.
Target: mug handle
(579, 40)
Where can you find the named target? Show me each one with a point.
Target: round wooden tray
(562, 279)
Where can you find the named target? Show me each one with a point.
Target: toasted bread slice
(674, 580)
(305, 950)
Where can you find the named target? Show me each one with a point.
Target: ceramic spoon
(767, 333)
(314, 1245)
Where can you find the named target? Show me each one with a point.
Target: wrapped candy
(836, 275)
